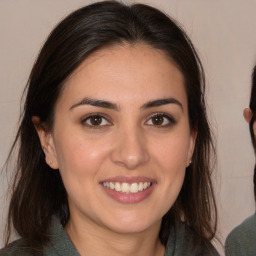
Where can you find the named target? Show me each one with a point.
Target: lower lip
(129, 198)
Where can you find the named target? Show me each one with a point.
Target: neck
(91, 239)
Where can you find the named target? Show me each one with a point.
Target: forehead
(122, 71)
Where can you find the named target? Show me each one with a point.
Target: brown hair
(252, 106)
(38, 192)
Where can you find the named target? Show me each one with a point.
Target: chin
(133, 224)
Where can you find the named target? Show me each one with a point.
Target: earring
(50, 162)
(189, 163)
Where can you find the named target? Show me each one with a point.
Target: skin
(248, 116)
(127, 143)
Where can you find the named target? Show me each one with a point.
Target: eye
(161, 120)
(95, 120)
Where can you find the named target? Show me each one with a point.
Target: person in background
(242, 240)
(114, 145)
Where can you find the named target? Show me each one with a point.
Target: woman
(241, 240)
(114, 143)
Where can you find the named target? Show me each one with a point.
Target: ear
(192, 143)
(247, 115)
(47, 143)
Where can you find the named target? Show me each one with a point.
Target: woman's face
(121, 138)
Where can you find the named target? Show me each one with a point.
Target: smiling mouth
(127, 188)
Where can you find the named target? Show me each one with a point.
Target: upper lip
(129, 180)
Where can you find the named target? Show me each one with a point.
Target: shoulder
(247, 229)
(59, 244)
(182, 243)
(15, 248)
(241, 240)
(204, 248)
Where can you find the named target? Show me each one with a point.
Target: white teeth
(145, 185)
(117, 186)
(106, 184)
(111, 185)
(126, 187)
(140, 186)
(134, 188)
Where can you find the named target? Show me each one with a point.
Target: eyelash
(166, 118)
(95, 115)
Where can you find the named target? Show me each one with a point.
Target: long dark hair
(253, 119)
(38, 192)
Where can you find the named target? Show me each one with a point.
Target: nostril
(130, 152)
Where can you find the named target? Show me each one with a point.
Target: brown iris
(96, 120)
(157, 120)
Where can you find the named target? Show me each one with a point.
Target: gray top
(179, 244)
(242, 240)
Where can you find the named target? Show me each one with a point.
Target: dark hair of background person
(252, 106)
(37, 190)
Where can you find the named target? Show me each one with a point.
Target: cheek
(80, 156)
(171, 158)
(172, 153)
(171, 167)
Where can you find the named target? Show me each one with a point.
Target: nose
(130, 150)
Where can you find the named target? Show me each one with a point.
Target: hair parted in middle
(38, 191)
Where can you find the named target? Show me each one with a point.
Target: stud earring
(189, 163)
(50, 162)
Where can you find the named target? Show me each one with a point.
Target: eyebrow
(96, 103)
(110, 105)
(161, 102)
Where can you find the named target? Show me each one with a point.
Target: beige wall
(225, 36)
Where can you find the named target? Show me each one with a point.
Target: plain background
(224, 34)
